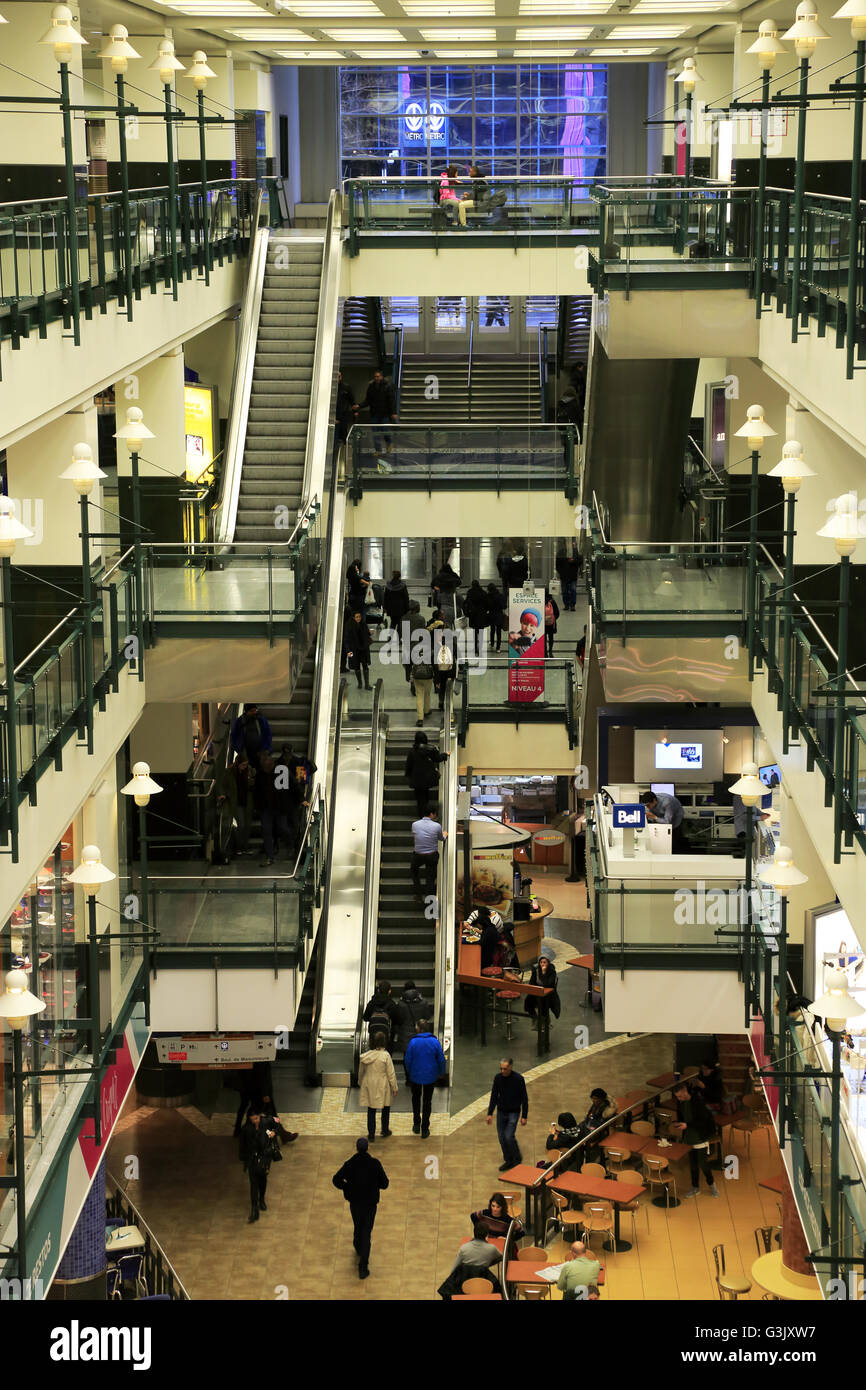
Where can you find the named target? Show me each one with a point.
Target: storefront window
(532, 119)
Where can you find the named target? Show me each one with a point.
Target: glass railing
(638, 231)
(494, 456)
(683, 583)
(35, 272)
(188, 581)
(493, 687)
(52, 702)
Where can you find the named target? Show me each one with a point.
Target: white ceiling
(385, 31)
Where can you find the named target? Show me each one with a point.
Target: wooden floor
(193, 1194)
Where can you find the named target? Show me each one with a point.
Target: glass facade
(526, 120)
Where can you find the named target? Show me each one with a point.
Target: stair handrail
(397, 376)
(320, 420)
(242, 385)
(469, 366)
(379, 724)
(443, 1023)
(322, 933)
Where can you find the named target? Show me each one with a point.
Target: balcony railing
(38, 249)
(463, 456)
(486, 688)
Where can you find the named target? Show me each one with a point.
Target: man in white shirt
(426, 833)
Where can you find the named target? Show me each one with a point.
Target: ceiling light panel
(274, 35)
(458, 53)
(330, 55)
(634, 31)
(565, 7)
(571, 35)
(459, 35)
(403, 54)
(447, 9)
(671, 7)
(564, 52)
(216, 9)
(365, 35)
(330, 9)
(620, 52)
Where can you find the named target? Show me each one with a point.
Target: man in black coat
(256, 1152)
(360, 1180)
(696, 1125)
(382, 405)
(357, 644)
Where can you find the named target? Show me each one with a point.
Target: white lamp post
(805, 34)
(17, 1004)
(84, 473)
(844, 529)
(91, 875)
(783, 875)
(141, 788)
(119, 50)
(133, 434)
(792, 470)
(167, 64)
(855, 10)
(750, 789)
(201, 74)
(754, 431)
(64, 38)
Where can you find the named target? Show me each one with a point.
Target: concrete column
(212, 355)
(49, 507)
(157, 390)
(33, 157)
(81, 1272)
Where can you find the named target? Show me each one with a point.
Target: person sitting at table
(495, 1217)
(473, 1262)
(564, 1134)
(490, 925)
(543, 975)
(578, 1273)
(601, 1108)
(710, 1084)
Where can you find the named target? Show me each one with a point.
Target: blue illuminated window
(529, 119)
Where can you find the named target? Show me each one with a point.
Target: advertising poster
(200, 429)
(492, 879)
(525, 644)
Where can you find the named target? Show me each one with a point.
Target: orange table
(498, 1241)
(774, 1184)
(524, 1272)
(633, 1100)
(469, 974)
(623, 1139)
(616, 1193)
(673, 1152)
(526, 1176)
(586, 963)
(669, 1079)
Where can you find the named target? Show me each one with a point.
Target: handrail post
(11, 712)
(854, 213)
(799, 181)
(753, 561)
(205, 247)
(791, 502)
(839, 720)
(71, 209)
(139, 586)
(124, 196)
(88, 622)
(172, 188)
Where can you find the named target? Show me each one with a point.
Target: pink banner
(116, 1081)
(525, 644)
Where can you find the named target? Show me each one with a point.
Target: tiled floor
(193, 1193)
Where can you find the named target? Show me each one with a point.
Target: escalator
(405, 935)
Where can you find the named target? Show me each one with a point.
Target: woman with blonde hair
(378, 1082)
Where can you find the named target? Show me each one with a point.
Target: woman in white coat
(378, 1083)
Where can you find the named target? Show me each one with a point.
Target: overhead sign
(629, 816)
(215, 1049)
(422, 125)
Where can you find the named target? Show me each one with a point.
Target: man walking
(425, 1063)
(360, 1180)
(696, 1125)
(511, 1103)
(382, 405)
(256, 1158)
(426, 833)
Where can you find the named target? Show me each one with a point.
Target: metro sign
(421, 123)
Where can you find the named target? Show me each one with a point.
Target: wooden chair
(730, 1286)
(753, 1119)
(559, 1202)
(768, 1239)
(632, 1179)
(512, 1206)
(665, 1115)
(533, 1252)
(598, 1217)
(476, 1286)
(644, 1127)
(617, 1160)
(655, 1171)
(594, 1170)
(534, 1293)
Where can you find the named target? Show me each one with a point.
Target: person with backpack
(251, 733)
(425, 1063)
(382, 1013)
(412, 623)
(551, 617)
(495, 616)
(422, 769)
(422, 673)
(410, 1010)
(444, 665)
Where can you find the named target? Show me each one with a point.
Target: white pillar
(157, 390)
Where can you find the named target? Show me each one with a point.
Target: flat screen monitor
(770, 775)
(684, 757)
(662, 788)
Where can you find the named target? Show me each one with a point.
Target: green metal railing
(476, 456)
(52, 702)
(485, 687)
(39, 245)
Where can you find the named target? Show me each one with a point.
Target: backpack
(253, 736)
(548, 615)
(444, 658)
(379, 1022)
(421, 671)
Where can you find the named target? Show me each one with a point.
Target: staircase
(405, 938)
(290, 1066)
(359, 346)
(276, 442)
(735, 1058)
(504, 392)
(576, 310)
(290, 724)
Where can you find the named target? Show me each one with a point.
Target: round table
(772, 1276)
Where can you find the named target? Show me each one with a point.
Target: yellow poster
(199, 408)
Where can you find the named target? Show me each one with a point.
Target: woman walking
(378, 1082)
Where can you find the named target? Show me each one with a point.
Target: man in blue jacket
(251, 734)
(424, 1062)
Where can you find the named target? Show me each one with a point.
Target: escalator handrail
(320, 422)
(446, 915)
(322, 934)
(242, 384)
(372, 861)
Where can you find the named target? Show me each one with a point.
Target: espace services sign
(421, 123)
(629, 816)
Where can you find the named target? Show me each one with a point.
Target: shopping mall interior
(433, 712)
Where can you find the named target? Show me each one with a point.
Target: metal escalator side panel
(242, 384)
(320, 421)
(372, 865)
(446, 947)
